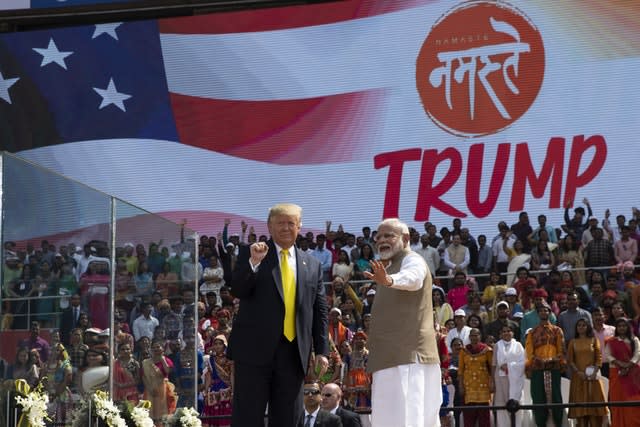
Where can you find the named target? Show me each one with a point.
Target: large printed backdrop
(356, 110)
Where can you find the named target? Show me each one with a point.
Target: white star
(108, 29)
(5, 84)
(110, 95)
(52, 54)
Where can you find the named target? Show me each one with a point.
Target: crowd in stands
(537, 298)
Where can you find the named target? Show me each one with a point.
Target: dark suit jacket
(66, 325)
(325, 419)
(257, 328)
(349, 418)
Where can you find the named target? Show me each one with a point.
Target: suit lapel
(275, 268)
(301, 268)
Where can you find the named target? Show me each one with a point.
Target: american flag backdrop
(223, 115)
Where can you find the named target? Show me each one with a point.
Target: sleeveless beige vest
(402, 329)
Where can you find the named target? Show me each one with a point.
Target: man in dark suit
(331, 398)
(282, 314)
(314, 415)
(69, 319)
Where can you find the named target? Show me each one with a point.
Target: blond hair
(286, 209)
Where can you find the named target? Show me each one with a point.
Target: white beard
(387, 252)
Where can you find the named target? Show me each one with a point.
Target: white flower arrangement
(102, 407)
(34, 404)
(107, 411)
(184, 417)
(138, 415)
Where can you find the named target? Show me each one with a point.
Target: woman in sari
(126, 375)
(59, 380)
(622, 351)
(157, 388)
(442, 309)
(218, 383)
(585, 359)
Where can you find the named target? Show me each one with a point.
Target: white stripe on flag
(308, 62)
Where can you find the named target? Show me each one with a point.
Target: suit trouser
(279, 384)
(538, 395)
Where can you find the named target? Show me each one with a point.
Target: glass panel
(56, 271)
(61, 239)
(155, 305)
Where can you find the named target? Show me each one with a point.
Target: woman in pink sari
(126, 375)
(622, 351)
(157, 388)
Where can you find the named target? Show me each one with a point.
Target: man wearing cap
(495, 328)
(404, 359)
(531, 319)
(461, 330)
(282, 315)
(337, 331)
(587, 234)
(368, 303)
(544, 365)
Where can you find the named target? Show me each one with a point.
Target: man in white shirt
(461, 330)
(429, 253)
(145, 324)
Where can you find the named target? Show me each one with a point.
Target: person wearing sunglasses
(331, 398)
(314, 415)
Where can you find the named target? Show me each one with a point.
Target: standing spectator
(623, 354)
(522, 230)
(625, 248)
(485, 256)
(508, 374)
(568, 319)
(357, 381)
(575, 226)
(475, 380)
(323, 255)
(430, 254)
(496, 327)
(362, 264)
(467, 240)
(126, 375)
(587, 234)
(599, 252)
(602, 332)
(585, 359)
(343, 267)
(461, 330)
(504, 240)
(36, 342)
(615, 232)
(457, 295)
(145, 324)
(158, 389)
(456, 256)
(442, 309)
(536, 236)
(544, 365)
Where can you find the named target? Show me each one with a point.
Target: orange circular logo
(480, 68)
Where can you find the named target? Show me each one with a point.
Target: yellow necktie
(289, 293)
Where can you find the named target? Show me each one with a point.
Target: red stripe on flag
(328, 129)
(279, 18)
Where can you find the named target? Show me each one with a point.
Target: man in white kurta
(403, 358)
